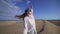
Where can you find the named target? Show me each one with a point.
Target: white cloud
(7, 9)
(28, 2)
(12, 2)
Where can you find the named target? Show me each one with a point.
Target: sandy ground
(43, 27)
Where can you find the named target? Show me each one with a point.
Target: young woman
(29, 22)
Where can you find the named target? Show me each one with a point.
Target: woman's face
(29, 12)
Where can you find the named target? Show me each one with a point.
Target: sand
(16, 27)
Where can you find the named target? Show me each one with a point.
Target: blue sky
(43, 9)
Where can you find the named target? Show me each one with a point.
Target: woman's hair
(25, 14)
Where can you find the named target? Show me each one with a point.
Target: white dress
(29, 23)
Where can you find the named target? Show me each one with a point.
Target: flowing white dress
(29, 24)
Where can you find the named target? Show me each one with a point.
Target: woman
(29, 22)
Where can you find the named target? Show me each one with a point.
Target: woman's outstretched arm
(31, 7)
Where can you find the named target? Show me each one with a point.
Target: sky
(42, 9)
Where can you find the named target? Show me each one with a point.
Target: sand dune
(16, 27)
